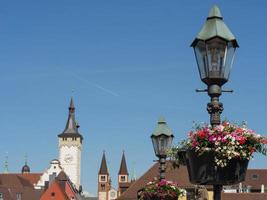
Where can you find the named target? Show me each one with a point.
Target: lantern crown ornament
(214, 49)
(162, 138)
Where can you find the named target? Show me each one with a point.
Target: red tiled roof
(33, 178)
(13, 180)
(12, 184)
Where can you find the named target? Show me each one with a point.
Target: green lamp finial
(215, 12)
(162, 120)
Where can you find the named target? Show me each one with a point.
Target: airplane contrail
(95, 85)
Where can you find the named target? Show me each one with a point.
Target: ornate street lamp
(162, 140)
(214, 49)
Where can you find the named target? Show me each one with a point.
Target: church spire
(123, 168)
(103, 168)
(71, 129)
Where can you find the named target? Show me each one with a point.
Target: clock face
(68, 158)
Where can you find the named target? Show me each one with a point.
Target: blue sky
(128, 62)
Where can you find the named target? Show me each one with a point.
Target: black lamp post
(162, 140)
(214, 48)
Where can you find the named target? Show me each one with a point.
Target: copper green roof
(215, 27)
(162, 128)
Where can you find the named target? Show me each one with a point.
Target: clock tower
(70, 144)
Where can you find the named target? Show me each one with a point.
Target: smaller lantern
(162, 138)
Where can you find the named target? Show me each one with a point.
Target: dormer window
(254, 177)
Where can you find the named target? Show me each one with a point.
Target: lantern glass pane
(155, 145)
(229, 60)
(201, 57)
(161, 143)
(216, 56)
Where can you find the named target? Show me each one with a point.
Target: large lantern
(214, 49)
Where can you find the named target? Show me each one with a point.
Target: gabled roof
(54, 191)
(123, 168)
(71, 129)
(103, 167)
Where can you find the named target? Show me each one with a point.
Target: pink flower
(219, 128)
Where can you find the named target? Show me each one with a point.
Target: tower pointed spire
(71, 128)
(103, 167)
(71, 125)
(123, 168)
(71, 107)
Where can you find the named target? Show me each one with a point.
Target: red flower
(201, 134)
(239, 130)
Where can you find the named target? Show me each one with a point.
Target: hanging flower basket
(203, 170)
(219, 155)
(160, 190)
